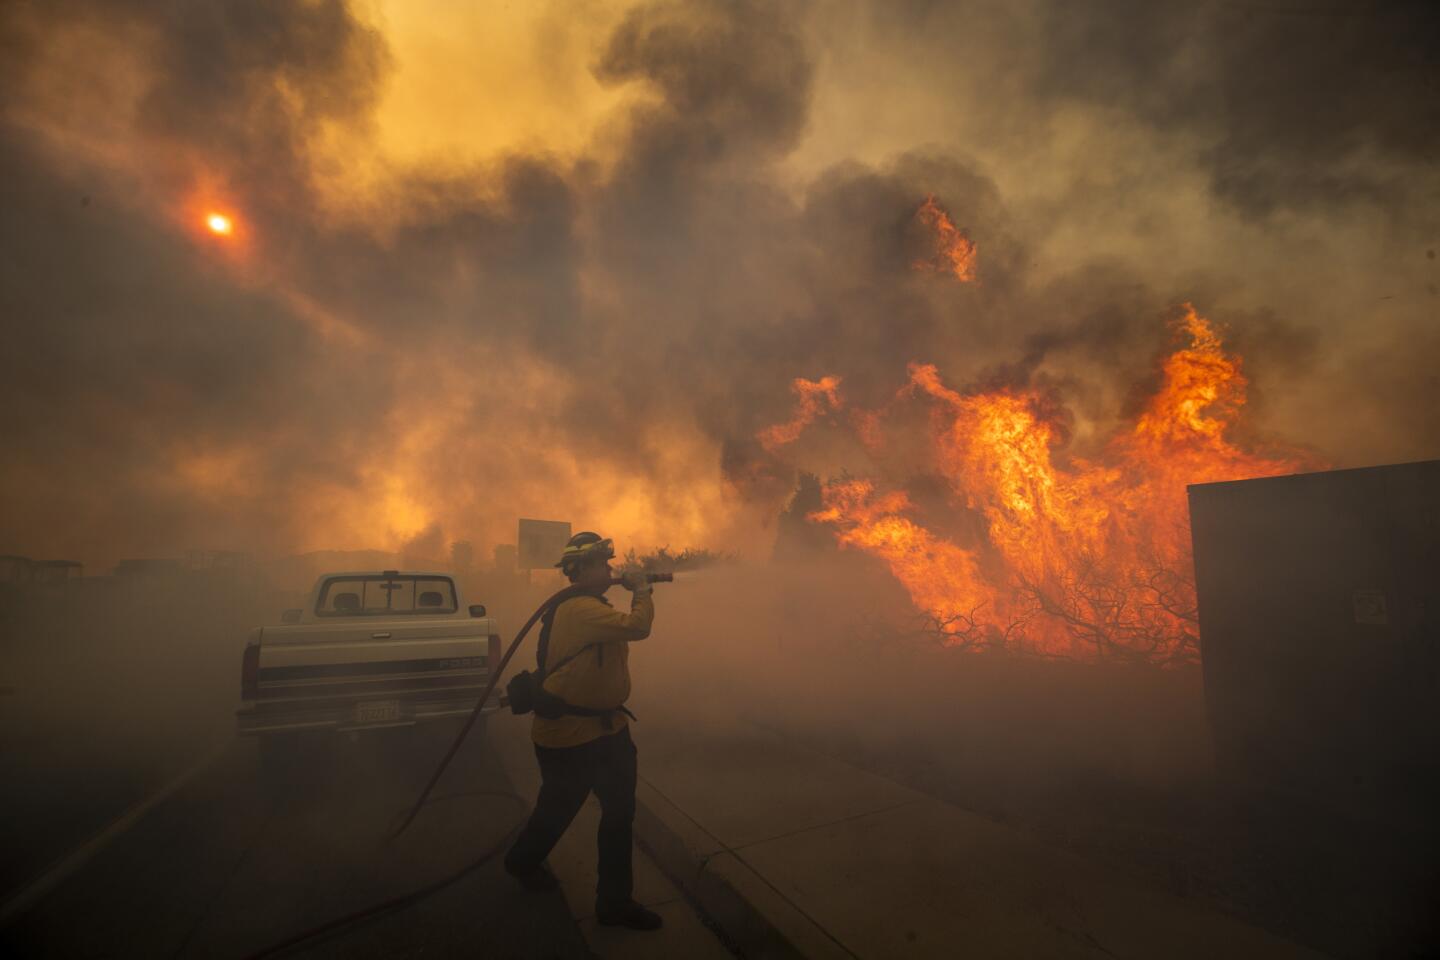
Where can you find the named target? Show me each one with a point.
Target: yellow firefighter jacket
(600, 677)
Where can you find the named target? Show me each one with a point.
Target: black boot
(537, 879)
(628, 914)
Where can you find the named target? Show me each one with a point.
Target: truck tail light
(250, 672)
(492, 658)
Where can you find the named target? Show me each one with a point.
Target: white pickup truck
(368, 650)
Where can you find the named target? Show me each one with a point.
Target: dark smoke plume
(599, 337)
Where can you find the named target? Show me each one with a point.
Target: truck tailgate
(381, 673)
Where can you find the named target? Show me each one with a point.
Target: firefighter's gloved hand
(635, 582)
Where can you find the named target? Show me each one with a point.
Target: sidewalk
(573, 861)
(797, 854)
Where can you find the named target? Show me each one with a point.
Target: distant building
(15, 570)
(156, 568)
(225, 560)
(57, 571)
(505, 556)
(462, 556)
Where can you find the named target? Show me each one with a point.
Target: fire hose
(414, 896)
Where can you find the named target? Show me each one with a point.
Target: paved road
(227, 864)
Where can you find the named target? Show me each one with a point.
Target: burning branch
(813, 397)
(1077, 559)
(953, 252)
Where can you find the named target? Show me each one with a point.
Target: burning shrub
(663, 561)
(1083, 559)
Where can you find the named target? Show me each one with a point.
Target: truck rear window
(385, 596)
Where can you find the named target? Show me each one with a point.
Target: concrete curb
(756, 918)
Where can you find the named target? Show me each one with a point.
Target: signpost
(540, 543)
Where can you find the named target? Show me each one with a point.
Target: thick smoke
(599, 337)
(1305, 105)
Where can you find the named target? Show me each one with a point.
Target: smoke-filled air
(861, 381)
(1004, 277)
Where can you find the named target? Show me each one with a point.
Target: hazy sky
(564, 260)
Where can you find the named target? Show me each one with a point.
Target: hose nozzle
(649, 578)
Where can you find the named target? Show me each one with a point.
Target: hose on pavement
(414, 896)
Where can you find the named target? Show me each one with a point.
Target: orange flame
(954, 252)
(813, 398)
(942, 579)
(1086, 560)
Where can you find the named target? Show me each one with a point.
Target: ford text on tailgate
(368, 650)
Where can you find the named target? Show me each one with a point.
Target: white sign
(1370, 607)
(540, 543)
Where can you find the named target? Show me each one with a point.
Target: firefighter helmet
(585, 546)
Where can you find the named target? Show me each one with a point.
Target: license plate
(377, 711)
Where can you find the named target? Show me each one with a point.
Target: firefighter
(586, 646)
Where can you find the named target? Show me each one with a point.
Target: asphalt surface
(231, 861)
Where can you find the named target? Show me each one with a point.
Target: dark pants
(568, 774)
